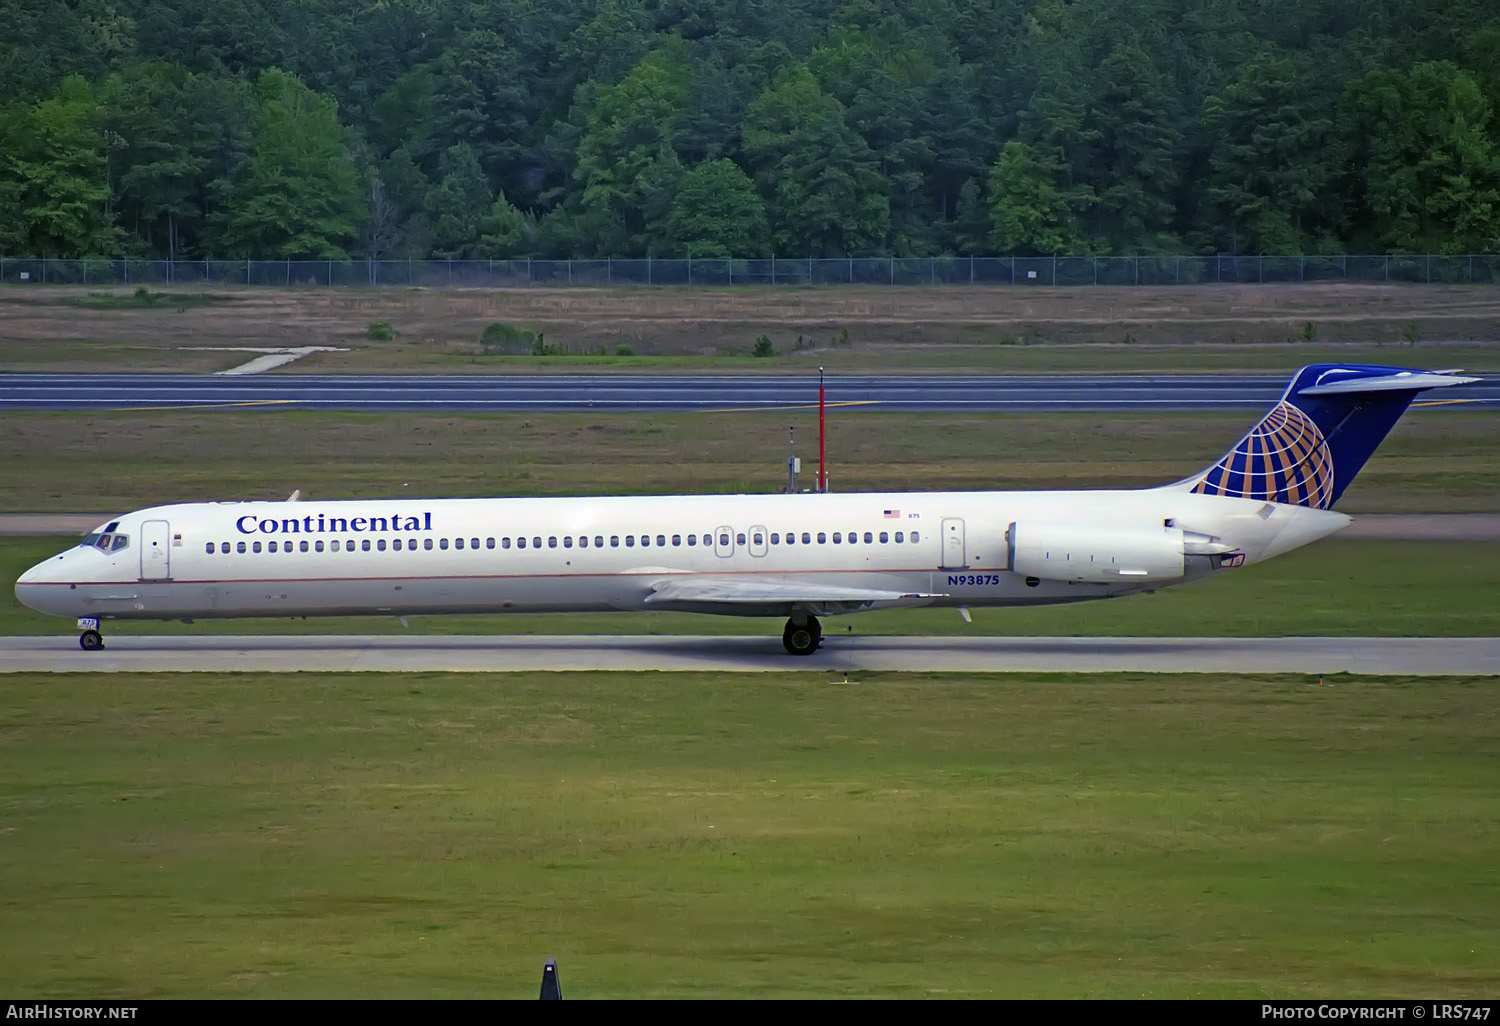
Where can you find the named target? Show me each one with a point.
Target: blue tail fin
(1306, 451)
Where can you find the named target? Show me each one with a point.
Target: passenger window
(209, 548)
(630, 541)
(614, 541)
(349, 545)
(598, 541)
(271, 546)
(552, 543)
(755, 539)
(303, 546)
(661, 541)
(458, 543)
(899, 539)
(884, 537)
(567, 541)
(319, 546)
(914, 536)
(520, 543)
(645, 541)
(224, 548)
(396, 544)
(489, 543)
(255, 546)
(791, 539)
(364, 545)
(240, 547)
(692, 540)
(333, 546)
(822, 538)
(806, 538)
(442, 543)
(473, 543)
(505, 543)
(724, 540)
(676, 540)
(835, 538)
(536, 542)
(868, 538)
(775, 538)
(380, 544)
(583, 541)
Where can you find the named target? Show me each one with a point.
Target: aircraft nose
(32, 594)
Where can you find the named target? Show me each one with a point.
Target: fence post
(570, 270)
(893, 269)
(690, 270)
(1260, 269)
(289, 272)
(809, 270)
(648, 269)
(971, 268)
(44, 270)
(1013, 270)
(1385, 264)
(2, 268)
(530, 278)
(1301, 268)
(932, 270)
(773, 268)
(850, 279)
(450, 270)
(1178, 262)
(1427, 259)
(609, 270)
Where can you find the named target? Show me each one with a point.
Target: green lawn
(1353, 588)
(1436, 460)
(440, 835)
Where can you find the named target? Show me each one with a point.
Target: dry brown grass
(941, 327)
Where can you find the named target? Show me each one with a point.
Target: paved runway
(640, 392)
(839, 655)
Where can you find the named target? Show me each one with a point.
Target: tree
(53, 196)
(1272, 159)
(458, 204)
(824, 191)
(627, 168)
(298, 196)
(1431, 169)
(717, 214)
(1029, 213)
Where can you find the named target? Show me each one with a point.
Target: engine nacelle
(1081, 552)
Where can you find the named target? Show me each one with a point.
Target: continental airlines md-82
(797, 556)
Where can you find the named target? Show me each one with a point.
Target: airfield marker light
(551, 985)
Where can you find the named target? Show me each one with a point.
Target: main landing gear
(802, 639)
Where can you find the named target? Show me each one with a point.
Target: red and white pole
(822, 472)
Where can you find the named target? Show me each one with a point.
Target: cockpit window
(106, 542)
(92, 539)
(122, 541)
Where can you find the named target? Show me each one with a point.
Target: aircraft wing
(739, 591)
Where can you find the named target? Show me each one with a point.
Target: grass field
(1333, 588)
(1436, 460)
(434, 835)
(901, 330)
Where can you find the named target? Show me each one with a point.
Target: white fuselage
(255, 559)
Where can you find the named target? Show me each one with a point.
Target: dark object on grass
(551, 987)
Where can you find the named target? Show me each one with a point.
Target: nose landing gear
(802, 639)
(90, 640)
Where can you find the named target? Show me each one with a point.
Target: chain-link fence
(1152, 270)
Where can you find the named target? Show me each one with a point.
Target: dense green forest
(501, 128)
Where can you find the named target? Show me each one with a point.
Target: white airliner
(798, 556)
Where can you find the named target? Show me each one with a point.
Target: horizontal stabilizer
(1332, 383)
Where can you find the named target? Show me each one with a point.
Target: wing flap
(738, 591)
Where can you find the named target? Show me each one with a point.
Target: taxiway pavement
(755, 654)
